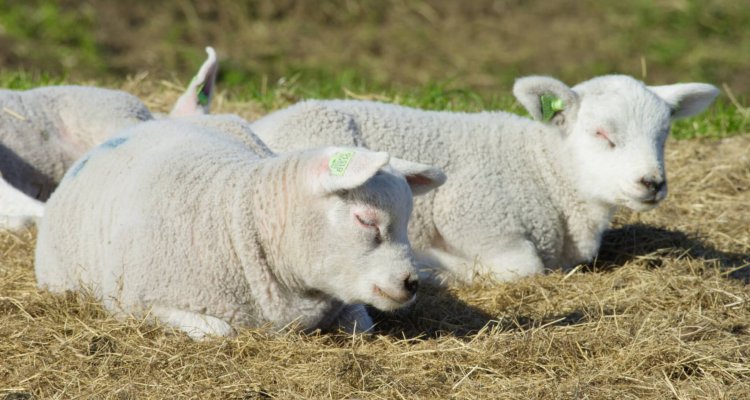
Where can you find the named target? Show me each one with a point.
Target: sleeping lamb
(523, 195)
(199, 228)
(43, 131)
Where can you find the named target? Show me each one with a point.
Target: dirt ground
(664, 312)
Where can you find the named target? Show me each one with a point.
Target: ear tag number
(550, 105)
(339, 161)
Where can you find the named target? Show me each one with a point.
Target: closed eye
(602, 134)
(370, 224)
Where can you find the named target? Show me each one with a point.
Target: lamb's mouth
(382, 293)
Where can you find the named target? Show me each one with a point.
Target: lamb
(198, 228)
(523, 195)
(43, 131)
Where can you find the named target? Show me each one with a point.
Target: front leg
(354, 318)
(511, 260)
(483, 235)
(503, 262)
(17, 210)
(196, 325)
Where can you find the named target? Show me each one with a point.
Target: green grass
(319, 84)
(722, 119)
(22, 80)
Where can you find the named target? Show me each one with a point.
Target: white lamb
(43, 131)
(523, 195)
(194, 226)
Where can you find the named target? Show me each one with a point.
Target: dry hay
(663, 313)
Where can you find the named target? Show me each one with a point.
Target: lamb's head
(358, 250)
(614, 128)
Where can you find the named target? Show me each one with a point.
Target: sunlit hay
(664, 312)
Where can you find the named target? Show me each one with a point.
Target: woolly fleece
(205, 231)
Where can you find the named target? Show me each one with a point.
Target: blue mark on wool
(78, 167)
(114, 143)
(109, 144)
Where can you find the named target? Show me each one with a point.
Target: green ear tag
(550, 106)
(202, 96)
(339, 161)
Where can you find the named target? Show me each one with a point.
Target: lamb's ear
(544, 97)
(347, 168)
(197, 97)
(421, 177)
(687, 99)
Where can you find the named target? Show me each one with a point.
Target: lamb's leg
(17, 210)
(475, 230)
(441, 268)
(513, 260)
(354, 319)
(196, 325)
(502, 263)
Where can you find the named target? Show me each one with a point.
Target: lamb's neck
(585, 219)
(263, 233)
(266, 198)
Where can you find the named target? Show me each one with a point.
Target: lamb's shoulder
(521, 170)
(580, 221)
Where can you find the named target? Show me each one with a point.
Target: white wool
(202, 229)
(522, 195)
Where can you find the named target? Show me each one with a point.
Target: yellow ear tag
(339, 161)
(551, 105)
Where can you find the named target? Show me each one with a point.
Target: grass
(727, 117)
(483, 45)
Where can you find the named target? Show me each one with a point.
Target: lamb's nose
(653, 184)
(411, 284)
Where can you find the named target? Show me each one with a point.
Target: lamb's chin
(385, 301)
(641, 205)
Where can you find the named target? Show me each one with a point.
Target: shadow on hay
(437, 312)
(651, 243)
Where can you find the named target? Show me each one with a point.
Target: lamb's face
(617, 143)
(614, 128)
(359, 250)
(367, 257)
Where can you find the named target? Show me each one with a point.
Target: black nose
(654, 185)
(411, 285)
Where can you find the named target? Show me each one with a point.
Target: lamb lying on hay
(200, 227)
(522, 195)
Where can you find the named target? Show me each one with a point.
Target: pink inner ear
(418, 180)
